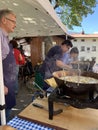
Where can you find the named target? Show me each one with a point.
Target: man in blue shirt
(7, 25)
(55, 53)
(49, 64)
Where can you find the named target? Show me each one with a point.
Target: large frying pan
(74, 86)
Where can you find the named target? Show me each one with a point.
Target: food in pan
(79, 79)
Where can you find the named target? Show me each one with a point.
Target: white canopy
(34, 18)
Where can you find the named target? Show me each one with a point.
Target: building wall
(40, 46)
(90, 46)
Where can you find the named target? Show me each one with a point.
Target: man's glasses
(11, 20)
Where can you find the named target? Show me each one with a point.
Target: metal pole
(2, 97)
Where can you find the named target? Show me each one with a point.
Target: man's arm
(60, 64)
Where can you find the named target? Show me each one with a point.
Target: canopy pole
(2, 97)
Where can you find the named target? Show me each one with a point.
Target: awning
(34, 18)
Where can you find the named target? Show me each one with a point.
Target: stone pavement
(23, 98)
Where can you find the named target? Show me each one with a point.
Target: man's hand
(5, 90)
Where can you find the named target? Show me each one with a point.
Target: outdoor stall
(34, 18)
(37, 18)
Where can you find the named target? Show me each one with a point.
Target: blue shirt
(4, 43)
(66, 58)
(49, 64)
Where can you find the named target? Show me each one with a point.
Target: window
(93, 48)
(88, 49)
(82, 48)
(75, 40)
(82, 40)
(94, 40)
(82, 58)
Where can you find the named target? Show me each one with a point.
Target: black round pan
(73, 86)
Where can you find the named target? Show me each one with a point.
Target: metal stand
(75, 102)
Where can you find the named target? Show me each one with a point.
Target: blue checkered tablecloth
(21, 124)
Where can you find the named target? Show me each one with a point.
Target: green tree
(72, 12)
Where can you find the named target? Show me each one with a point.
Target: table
(36, 118)
(70, 119)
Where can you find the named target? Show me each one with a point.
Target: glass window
(75, 40)
(82, 58)
(82, 40)
(94, 40)
(82, 48)
(93, 48)
(88, 49)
